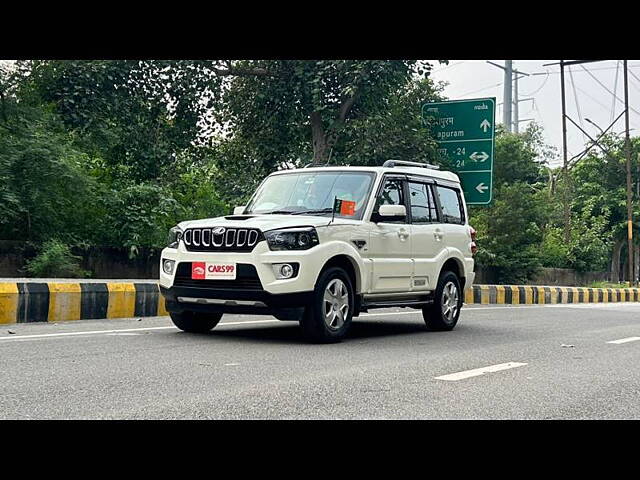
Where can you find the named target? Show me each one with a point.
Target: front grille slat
(246, 279)
(231, 240)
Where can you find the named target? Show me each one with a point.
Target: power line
(603, 86)
(575, 96)
(594, 99)
(547, 72)
(638, 79)
(480, 90)
(539, 88)
(615, 89)
(449, 66)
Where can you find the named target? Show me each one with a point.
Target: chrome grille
(221, 239)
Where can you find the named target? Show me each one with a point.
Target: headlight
(292, 238)
(175, 234)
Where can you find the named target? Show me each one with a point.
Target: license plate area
(213, 271)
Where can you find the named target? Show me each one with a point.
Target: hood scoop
(239, 217)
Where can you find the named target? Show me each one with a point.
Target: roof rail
(393, 163)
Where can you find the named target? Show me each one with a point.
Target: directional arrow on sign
(485, 125)
(481, 187)
(479, 157)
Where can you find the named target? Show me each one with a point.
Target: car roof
(418, 171)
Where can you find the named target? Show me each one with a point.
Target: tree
(511, 228)
(288, 113)
(283, 104)
(135, 115)
(599, 200)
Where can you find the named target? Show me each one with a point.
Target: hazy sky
(477, 78)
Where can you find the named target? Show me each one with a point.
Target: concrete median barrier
(540, 295)
(48, 301)
(25, 302)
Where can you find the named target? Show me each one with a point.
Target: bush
(55, 260)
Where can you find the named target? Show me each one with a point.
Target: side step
(400, 302)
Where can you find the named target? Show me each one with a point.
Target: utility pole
(565, 170)
(509, 104)
(516, 100)
(508, 100)
(516, 109)
(627, 144)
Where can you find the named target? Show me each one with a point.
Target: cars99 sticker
(213, 271)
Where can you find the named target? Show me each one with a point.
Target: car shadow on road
(290, 332)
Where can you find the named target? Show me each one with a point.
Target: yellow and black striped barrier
(538, 295)
(22, 302)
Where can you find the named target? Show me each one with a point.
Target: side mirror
(391, 213)
(239, 210)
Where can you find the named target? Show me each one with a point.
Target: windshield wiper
(281, 211)
(308, 212)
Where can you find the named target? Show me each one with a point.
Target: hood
(262, 222)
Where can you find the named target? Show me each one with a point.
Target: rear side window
(423, 205)
(451, 204)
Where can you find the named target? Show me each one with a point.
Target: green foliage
(55, 260)
(354, 112)
(554, 252)
(509, 232)
(114, 153)
(44, 187)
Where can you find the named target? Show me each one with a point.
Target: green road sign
(465, 132)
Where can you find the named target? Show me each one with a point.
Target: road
(545, 362)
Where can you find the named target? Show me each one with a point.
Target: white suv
(320, 245)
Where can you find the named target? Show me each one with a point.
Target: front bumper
(256, 290)
(262, 259)
(287, 306)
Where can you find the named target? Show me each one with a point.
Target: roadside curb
(541, 295)
(27, 302)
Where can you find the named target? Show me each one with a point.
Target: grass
(604, 284)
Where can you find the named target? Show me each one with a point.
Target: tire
(193, 322)
(327, 320)
(443, 313)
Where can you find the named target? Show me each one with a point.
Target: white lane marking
(100, 332)
(625, 340)
(122, 330)
(521, 307)
(454, 377)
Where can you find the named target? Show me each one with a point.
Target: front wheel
(329, 316)
(444, 312)
(193, 322)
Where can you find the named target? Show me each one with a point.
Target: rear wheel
(329, 316)
(193, 322)
(444, 312)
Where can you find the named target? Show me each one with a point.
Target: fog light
(283, 271)
(286, 270)
(167, 266)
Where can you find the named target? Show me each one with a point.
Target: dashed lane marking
(624, 340)
(454, 377)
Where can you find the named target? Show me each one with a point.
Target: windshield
(312, 192)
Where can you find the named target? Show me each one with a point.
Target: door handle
(402, 234)
(437, 234)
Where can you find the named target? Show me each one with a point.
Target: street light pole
(565, 169)
(627, 143)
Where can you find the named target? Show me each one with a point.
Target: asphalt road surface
(501, 362)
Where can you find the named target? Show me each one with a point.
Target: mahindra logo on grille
(220, 238)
